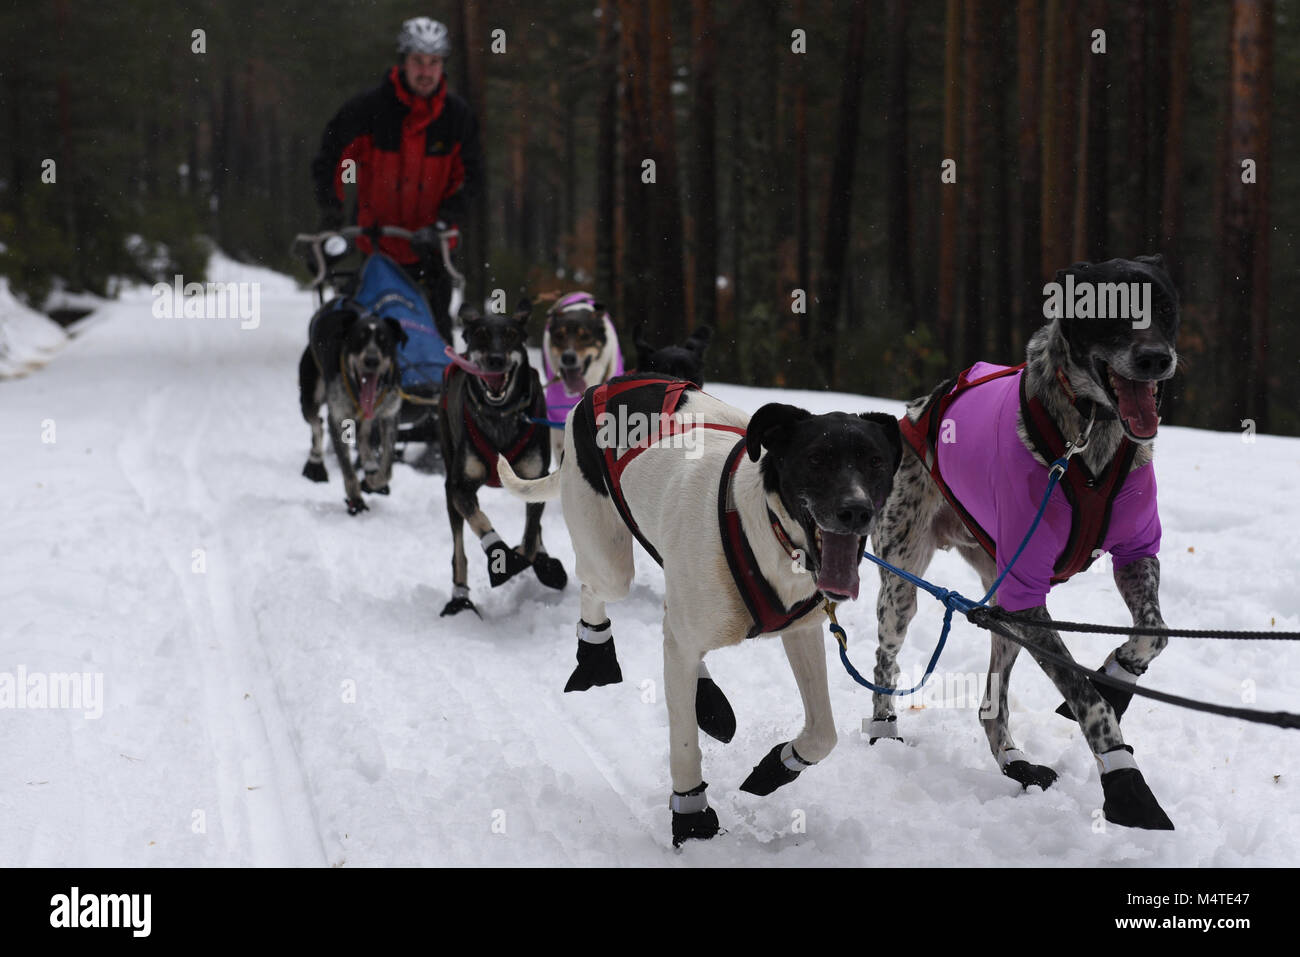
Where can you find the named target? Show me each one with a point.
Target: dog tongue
(1137, 406)
(369, 385)
(493, 380)
(574, 383)
(839, 563)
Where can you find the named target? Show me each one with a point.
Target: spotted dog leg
(1139, 585)
(903, 537)
(1128, 799)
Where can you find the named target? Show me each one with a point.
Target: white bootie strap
(1008, 755)
(490, 539)
(790, 758)
(880, 728)
(1119, 758)
(594, 634)
(460, 591)
(1114, 669)
(692, 802)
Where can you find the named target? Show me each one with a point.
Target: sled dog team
(768, 516)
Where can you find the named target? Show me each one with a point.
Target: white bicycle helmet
(422, 35)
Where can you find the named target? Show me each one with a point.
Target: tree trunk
(1244, 295)
(1027, 299)
(947, 319)
(664, 195)
(1090, 206)
(1171, 207)
(1137, 201)
(840, 199)
(897, 182)
(637, 271)
(971, 340)
(803, 252)
(478, 241)
(703, 183)
(607, 155)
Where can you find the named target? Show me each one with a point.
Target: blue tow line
(952, 600)
(547, 422)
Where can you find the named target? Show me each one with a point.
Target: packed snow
(279, 689)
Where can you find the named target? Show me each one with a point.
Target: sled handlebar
(316, 242)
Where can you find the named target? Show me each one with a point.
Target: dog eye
(877, 462)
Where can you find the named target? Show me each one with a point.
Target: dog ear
(395, 327)
(523, 311)
(698, 341)
(468, 315)
(1155, 259)
(767, 425)
(643, 348)
(889, 425)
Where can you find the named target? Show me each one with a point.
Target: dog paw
(771, 773)
(316, 471)
(713, 711)
(884, 729)
(700, 826)
(504, 564)
(549, 571)
(356, 505)
(1130, 803)
(597, 665)
(365, 487)
(1026, 774)
(457, 605)
(1118, 698)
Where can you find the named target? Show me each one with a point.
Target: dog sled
(382, 289)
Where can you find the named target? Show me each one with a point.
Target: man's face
(423, 72)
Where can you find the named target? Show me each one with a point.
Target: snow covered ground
(277, 686)
(28, 339)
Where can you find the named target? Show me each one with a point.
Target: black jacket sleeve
(351, 121)
(457, 207)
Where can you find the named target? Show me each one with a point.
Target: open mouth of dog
(573, 376)
(496, 385)
(1137, 401)
(368, 380)
(838, 556)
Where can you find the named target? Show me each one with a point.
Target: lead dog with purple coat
(974, 483)
(753, 519)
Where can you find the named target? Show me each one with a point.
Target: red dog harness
(486, 450)
(766, 609)
(1091, 497)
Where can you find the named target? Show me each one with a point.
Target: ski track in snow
(300, 695)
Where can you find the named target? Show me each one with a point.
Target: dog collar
(782, 537)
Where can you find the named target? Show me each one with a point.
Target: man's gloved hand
(426, 237)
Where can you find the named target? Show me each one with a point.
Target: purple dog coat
(988, 470)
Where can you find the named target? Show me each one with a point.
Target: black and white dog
(489, 399)
(685, 361)
(979, 472)
(752, 519)
(350, 364)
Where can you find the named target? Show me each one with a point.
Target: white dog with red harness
(754, 520)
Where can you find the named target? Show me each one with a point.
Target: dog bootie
(315, 471)
(1129, 802)
(356, 505)
(882, 729)
(1117, 698)
(549, 571)
(779, 767)
(366, 487)
(1022, 772)
(692, 816)
(459, 602)
(597, 663)
(504, 563)
(713, 711)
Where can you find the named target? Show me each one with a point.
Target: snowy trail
(277, 670)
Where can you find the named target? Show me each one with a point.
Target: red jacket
(417, 160)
